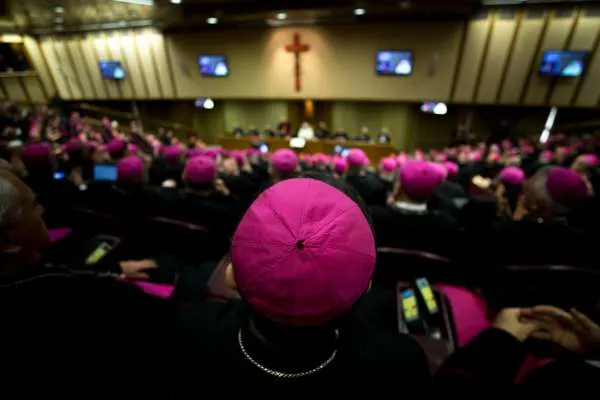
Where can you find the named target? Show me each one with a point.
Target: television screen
(390, 62)
(563, 63)
(112, 70)
(213, 65)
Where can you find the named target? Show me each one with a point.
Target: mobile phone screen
(428, 295)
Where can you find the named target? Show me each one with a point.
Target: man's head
(418, 181)
(23, 233)
(388, 168)
(303, 254)
(364, 130)
(284, 164)
(356, 161)
(554, 192)
(130, 170)
(230, 166)
(200, 173)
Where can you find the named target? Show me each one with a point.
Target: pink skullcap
(401, 159)
(212, 153)
(452, 152)
(356, 158)
(546, 155)
(284, 161)
(321, 159)
(565, 186)
(130, 169)
(238, 156)
(314, 256)
(73, 146)
(388, 164)
(193, 153)
(512, 175)
(476, 156)
(252, 152)
(340, 166)
(494, 157)
(451, 167)
(172, 153)
(419, 179)
(132, 148)
(441, 157)
(200, 170)
(36, 152)
(590, 159)
(441, 171)
(114, 147)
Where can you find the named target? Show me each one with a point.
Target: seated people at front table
(238, 131)
(78, 318)
(306, 131)
(322, 131)
(284, 127)
(268, 132)
(301, 258)
(495, 357)
(384, 137)
(408, 223)
(252, 131)
(341, 134)
(363, 136)
(368, 185)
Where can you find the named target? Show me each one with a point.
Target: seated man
(408, 223)
(81, 319)
(284, 165)
(364, 135)
(368, 185)
(301, 258)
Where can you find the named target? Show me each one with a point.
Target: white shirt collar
(411, 207)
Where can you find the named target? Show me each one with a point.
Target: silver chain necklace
(284, 375)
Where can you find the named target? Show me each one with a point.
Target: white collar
(411, 207)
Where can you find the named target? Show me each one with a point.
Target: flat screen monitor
(570, 64)
(394, 62)
(112, 70)
(105, 172)
(213, 65)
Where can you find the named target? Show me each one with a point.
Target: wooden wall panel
(135, 74)
(471, 60)
(522, 56)
(114, 53)
(583, 39)
(34, 89)
(90, 60)
(146, 59)
(75, 54)
(58, 74)
(495, 61)
(100, 45)
(555, 39)
(32, 48)
(157, 47)
(68, 69)
(14, 90)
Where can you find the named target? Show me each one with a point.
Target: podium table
(374, 151)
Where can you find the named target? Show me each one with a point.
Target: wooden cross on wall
(297, 47)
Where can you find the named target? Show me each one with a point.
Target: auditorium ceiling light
(440, 109)
(212, 21)
(359, 11)
(209, 104)
(137, 2)
(176, 1)
(59, 9)
(281, 16)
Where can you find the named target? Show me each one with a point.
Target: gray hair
(10, 204)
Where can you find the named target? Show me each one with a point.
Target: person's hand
(571, 330)
(511, 320)
(136, 269)
(221, 187)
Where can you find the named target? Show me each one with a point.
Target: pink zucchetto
(419, 179)
(512, 175)
(200, 170)
(566, 187)
(284, 161)
(451, 167)
(356, 158)
(130, 169)
(388, 164)
(340, 166)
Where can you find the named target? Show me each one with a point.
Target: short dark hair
(200, 186)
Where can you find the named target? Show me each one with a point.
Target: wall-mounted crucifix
(297, 47)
